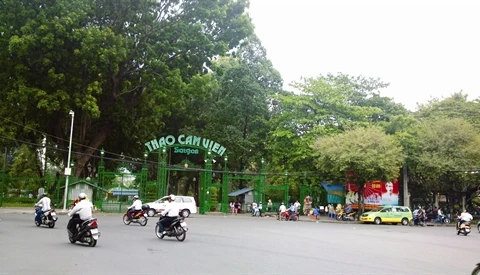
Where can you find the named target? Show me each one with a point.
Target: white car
(186, 205)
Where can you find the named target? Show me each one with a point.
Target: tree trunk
(361, 198)
(82, 160)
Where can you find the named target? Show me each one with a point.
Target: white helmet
(82, 196)
(135, 197)
(172, 197)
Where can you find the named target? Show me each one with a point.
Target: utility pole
(406, 195)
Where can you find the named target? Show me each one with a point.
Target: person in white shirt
(168, 215)
(439, 215)
(80, 213)
(281, 211)
(44, 202)
(134, 208)
(464, 217)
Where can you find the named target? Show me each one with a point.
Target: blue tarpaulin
(335, 192)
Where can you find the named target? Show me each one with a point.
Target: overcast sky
(423, 50)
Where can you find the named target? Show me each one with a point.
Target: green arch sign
(170, 140)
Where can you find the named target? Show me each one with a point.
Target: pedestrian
(232, 207)
(269, 205)
(237, 206)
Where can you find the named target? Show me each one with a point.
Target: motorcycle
(443, 219)
(178, 229)
(346, 216)
(256, 212)
(289, 217)
(463, 229)
(476, 270)
(417, 220)
(87, 233)
(140, 217)
(48, 217)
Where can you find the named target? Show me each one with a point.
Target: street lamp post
(68, 170)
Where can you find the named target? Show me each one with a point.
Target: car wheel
(404, 221)
(151, 212)
(377, 220)
(185, 213)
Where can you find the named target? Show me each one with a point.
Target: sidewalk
(270, 215)
(321, 219)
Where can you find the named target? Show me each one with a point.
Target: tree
(359, 155)
(322, 106)
(122, 66)
(446, 149)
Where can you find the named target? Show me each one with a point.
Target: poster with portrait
(375, 194)
(390, 193)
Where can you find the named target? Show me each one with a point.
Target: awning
(240, 192)
(123, 192)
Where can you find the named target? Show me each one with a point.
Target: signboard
(376, 194)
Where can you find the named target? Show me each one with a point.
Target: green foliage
(123, 67)
(447, 148)
(213, 190)
(151, 193)
(362, 154)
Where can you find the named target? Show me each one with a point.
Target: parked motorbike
(178, 229)
(463, 229)
(418, 220)
(256, 212)
(476, 270)
(140, 217)
(48, 217)
(346, 217)
(87, 233)
(443, 219)
(289, 217)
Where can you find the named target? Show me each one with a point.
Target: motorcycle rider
(45, 203)
(292, 209)
(80, 213)
(169, 214)
(134, 208)
(464, 217)
(439, 215)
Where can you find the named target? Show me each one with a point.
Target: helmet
(172, 197)
(282, 203)
(82, 196)
(135, 197)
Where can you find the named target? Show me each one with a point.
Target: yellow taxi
(388, 214)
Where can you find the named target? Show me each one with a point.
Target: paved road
(236, 245)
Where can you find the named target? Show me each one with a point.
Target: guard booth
(245, 196)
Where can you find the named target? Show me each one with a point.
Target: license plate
(53, 213)
(94, 231)
(183, 224)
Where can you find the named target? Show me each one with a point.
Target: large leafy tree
(359, 156)
(122, 66)
(322, 106)
(447, 150)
